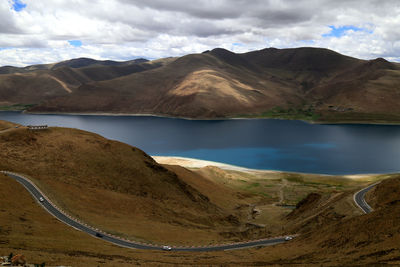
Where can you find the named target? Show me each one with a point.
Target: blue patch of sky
(237, 44)
(18, 5)
(76, 43)
(340, 31)
(5, 48)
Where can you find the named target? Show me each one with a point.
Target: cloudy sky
(44, 31)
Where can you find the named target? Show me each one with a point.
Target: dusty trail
(63, 84)
(282, 191)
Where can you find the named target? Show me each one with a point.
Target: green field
(16, 107)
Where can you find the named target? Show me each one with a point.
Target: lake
(255, 143)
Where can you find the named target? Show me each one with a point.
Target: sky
(46, 31)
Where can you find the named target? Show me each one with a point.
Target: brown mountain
(305, 83)
(73, 63)
(39, 83)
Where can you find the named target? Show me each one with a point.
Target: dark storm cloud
(280, 17)
(205, 18)
(200, 9)
(276, 12)
(206, 30)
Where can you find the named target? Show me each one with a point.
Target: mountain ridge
(302, 83)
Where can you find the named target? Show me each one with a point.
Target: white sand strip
(198, 163)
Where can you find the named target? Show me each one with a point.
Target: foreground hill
(94, 178)
(354, 241)
(302, 83)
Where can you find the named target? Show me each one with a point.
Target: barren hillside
(121, 189)
(301, 83)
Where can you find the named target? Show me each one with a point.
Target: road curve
(359, 199)
(67, 219)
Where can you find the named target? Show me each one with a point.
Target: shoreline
(199, 163)
(203, 119)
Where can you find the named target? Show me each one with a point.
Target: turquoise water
(260, 144)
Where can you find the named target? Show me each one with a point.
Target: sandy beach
(198, 163)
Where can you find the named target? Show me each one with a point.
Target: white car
(41, 199)
(166, 248)
(288, 238)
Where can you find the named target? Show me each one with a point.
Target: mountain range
(301, 83)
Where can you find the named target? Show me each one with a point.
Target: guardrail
(37, 127)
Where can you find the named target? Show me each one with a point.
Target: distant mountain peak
(222, 53)
(221, 50)
(380, 63)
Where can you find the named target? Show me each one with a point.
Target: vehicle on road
(288, 238)
(168, 248)
(99, 235)
(41, 199)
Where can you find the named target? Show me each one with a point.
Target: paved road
(359, 199)
(65, 218)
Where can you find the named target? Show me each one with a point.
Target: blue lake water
(260, 144)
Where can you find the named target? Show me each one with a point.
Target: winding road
(359, 199)
(67, 219)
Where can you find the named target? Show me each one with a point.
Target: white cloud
(123, 29)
